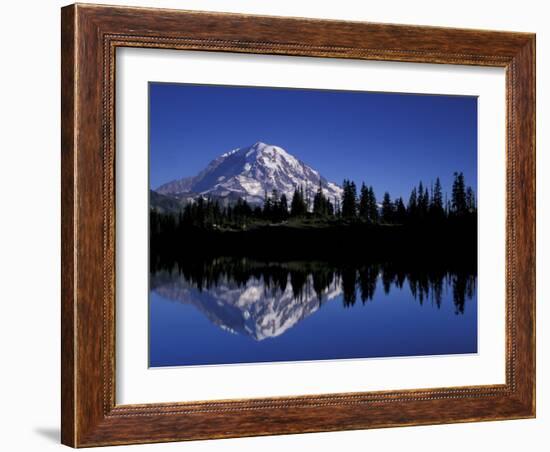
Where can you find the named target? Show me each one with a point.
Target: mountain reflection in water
(262, 300)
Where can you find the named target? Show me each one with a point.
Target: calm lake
(236, 310)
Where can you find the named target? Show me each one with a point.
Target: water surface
(234, 310)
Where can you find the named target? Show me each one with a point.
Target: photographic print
(301, 224)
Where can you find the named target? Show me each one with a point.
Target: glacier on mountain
(250, 173)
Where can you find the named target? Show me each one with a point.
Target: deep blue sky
(390, 141)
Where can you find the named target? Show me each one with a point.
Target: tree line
(423, 205)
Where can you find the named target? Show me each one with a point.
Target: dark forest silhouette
(313, 226)
(423, 206)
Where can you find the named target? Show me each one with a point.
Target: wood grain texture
(90, 36)
(68, 147)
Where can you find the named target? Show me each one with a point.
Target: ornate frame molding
(90, 36)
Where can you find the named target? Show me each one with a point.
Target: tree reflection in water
(356, 281)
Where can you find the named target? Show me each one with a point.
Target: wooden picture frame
(90, 35)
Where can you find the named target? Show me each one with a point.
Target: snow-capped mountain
(250, 172)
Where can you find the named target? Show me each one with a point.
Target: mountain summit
(249, 173)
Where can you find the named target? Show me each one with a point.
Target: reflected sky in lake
(240, 311)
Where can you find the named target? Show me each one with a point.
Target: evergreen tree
(400, 211)
(297, 205)
(353, 189)
(423, 201)
(364, 203)
(275, 206)
(387, 209)
(349, 203)
(268, 206)
(413, 205)
(372, 206)
(241, 212)
(320, 203)
(436, 207)
(458, 200)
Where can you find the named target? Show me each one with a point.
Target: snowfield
(251, 172)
